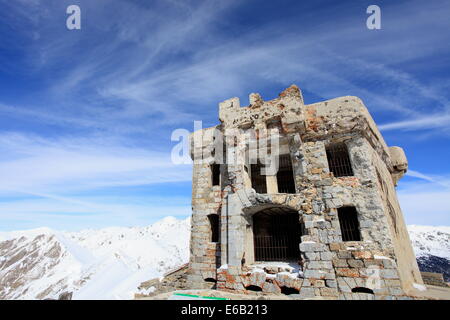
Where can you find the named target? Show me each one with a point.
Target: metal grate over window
(214, 223)
(276, 234)
(215, 174)
(258, 180)
(339, 160)
(348, 220)
(285, 175)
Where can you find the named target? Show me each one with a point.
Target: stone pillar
(272, 186)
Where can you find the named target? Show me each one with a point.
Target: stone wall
(380, 266)
(434, 279)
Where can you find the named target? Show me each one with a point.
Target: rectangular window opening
(214, 224)
(348, 220)
(339, 160)
(285, 175)
(258, 180)
(215, 174)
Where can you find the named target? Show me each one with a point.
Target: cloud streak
(425, 198)
(35, 163)
(183, 62)
(424, 122)
(68, 183)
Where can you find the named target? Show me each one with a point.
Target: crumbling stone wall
(172, 280)
(381, 265)
(434, 279)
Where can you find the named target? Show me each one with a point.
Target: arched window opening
(277, 234)
(253, 288)
(288, 291)
(362, 290)
(214, 224)
(348, 220)
(210, 280)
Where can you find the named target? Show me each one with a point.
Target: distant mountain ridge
(110, 263)
(94, 264)
(432, 248)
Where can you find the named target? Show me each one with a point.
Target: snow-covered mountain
(93, 264)
(432, 248)
(110, 263)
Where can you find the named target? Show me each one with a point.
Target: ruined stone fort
(327, 223)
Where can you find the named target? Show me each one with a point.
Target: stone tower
(326, 222)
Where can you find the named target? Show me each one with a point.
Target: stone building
(325, 223)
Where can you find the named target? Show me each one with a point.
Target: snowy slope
(94, 264)
(429, 240)
(432, 248)
(110, 263)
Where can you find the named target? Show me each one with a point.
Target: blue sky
(86, 115)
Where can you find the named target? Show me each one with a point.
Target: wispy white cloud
(35, 164)
(425, 199)
(424, 122)
(66, 182)
(182, 58)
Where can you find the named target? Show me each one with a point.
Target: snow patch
(419, 287)
(381, 257)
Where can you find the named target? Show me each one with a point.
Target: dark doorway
(276, 234)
